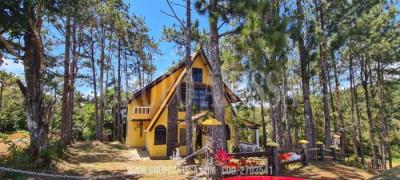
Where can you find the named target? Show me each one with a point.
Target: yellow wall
(199, 63)
(158, 93)
(133, 138)
(157, 151)
(154, 98)
(160, 90)
(228, 121)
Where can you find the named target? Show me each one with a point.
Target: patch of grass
(53, 151)
(3, 136)
(11, 175)
(23, 131)
(353, 162)
(396, 160)
(19, 157)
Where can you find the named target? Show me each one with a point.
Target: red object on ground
(262, 178)
(284, 156)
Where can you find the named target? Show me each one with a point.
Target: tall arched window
(160, 136)
(228, 132)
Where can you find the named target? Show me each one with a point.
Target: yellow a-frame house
(156, 113)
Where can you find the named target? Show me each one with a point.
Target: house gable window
(160, 135)
(201, 99)
(197, 75)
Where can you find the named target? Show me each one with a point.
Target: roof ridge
(165, 75)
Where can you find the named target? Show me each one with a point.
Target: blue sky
(150, 10)
(155, 20)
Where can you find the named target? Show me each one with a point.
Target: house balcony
(141, 112)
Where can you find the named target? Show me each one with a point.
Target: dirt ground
(326, 170)
(21, 139)
(95, 158)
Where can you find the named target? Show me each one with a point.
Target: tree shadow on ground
(325, 170)
(95, 152)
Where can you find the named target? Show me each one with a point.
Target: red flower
(222, 157)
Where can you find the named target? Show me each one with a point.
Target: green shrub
(53, 151)
(352, 161)
(3, 136)
(18, 157)
(88, 134)
(235, 149)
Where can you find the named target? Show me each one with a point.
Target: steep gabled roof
(166, 101)
(158, 80)
(231, 97)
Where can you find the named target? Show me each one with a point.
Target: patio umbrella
(211, 122)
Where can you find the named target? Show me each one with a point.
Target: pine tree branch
(178, 4)
(21, 87)
(174, 14)
(234, 31)
(226, 21)
(10, 47)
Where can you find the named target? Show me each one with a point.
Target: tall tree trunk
(76, 46)
(323, 79)
(305, 77)
(114, 107)
(188, 61)
(285, 109)
(365, 75)
(353, 116)
(382, 115)
(99, 126)
(94, 81)
(117, 96)
(335, 126)
(339, 107)
(219, 133)
(109, 73)
(264, 132)
(127, 94)
(278, 120)
(273, 119)
(1, 93)
(360, 138)
(172, 122)
(296, 136)
(66, 90)
(34, 67)
(126, 78)
(120, 134)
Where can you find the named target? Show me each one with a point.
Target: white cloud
(11, 66)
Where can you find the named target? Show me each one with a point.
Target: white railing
(141, 110)
(248, 147)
